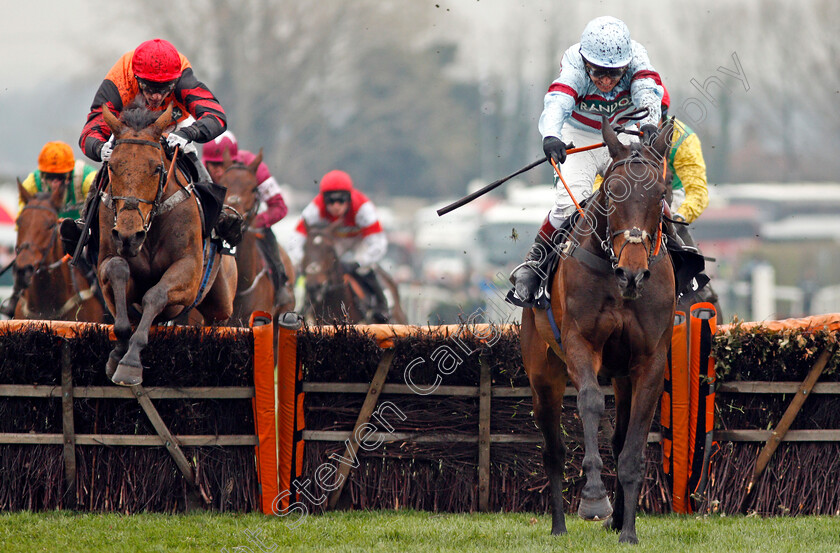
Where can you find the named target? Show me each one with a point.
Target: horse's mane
(138, 117)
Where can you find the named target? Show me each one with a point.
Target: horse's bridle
(132, 203)
(633, 235)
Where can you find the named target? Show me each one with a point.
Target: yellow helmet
(56, 157)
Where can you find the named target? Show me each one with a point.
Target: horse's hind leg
(547, 376)
(115, 276)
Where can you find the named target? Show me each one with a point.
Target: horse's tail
(397, 313)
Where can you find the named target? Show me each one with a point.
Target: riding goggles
(336, 198)
(54, 176)
(153, 87)
(597, 72)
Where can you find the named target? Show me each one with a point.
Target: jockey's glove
(648, 133)
(350, 266)
(554, 148)
(106, 149)
(176, 138)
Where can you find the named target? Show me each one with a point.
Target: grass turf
(404, 531)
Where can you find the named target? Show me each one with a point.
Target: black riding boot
(379, 306)
(71, 230)
(269, 248)
(9, 305)
(228, 224)
(526, 278)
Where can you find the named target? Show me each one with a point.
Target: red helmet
(213, 151)
(156, 60)
(336, 181)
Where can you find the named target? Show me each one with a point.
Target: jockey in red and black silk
(155, 75)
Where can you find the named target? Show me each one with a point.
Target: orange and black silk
(119, 90)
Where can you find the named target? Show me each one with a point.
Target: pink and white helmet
(213, 151)
(605, 42)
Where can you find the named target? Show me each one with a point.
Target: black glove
(648, 133)
(554, 148)
(350, 266)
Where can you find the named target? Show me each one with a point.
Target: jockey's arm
(269, 192)
(691, 169)
(210, 119)
(295, 247)
(371, 249)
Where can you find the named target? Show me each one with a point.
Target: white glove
(174, 139)
(107, 148)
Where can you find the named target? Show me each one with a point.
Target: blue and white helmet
(606, 42)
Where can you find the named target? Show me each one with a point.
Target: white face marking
(318, 240)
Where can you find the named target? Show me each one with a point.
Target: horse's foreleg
(583, 368)
(647, 389)
(115, 274)
(622, 389)
(170, 290)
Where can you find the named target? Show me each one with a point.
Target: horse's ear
(227, 161)
(255, 163)
(24, 195)
(163, 121)
(662, 142)
(57, 196)
(615, 147)
(111, 119)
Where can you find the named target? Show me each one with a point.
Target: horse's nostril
(621, 274)
(643, 276)
(139, 236)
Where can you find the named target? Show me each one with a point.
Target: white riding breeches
(580, 169)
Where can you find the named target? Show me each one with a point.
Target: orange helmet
(56, 157)
(157, 61)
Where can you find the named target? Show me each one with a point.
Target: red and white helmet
(157, 61)
(336, 181)
(336, 186)
(213, 151)
(605, 42)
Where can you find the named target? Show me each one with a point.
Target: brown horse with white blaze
(53, 289)
(150, 246)
(612, 299)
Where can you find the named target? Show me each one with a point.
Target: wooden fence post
(67, 425)
(484, 395)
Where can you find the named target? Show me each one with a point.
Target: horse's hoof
(609, 526)
(595, 509)
(111, 365)
(628, 538)
(128, 375)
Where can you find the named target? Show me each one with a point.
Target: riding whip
(91, 212)
(467, 199)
